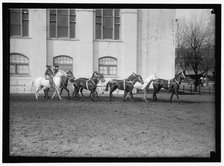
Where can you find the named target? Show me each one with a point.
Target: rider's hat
(48, 65)
(56, 66)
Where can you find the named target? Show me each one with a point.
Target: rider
(56, 69)
(49, 75)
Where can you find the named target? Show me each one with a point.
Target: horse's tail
(107, 86)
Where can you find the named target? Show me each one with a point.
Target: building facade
(115, 42)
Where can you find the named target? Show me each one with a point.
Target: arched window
(108, 66)
(64, 62)
(19, 64)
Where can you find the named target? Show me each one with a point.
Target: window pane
(62, 31)
(52, 11)
(12, 69)
(72, 30)
(108, 12)
(52, 17)
(117, 20)
(62, 12)
(15, 58)
(103, 70)
(52, 29)
(63, 20)
(98, 19)
(112, 70)
(25, 28)
(15, 30)
(62, 60)
(117, 31)
(107, 33)
(117, 12)
(72, 11)
(72, 18)
(15, 17)
(25, 13)
(15, 22)
(98, 12)
(22, 69)
(108, 22)
(98, 31)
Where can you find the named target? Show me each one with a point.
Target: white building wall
(129, 35)
(124, 50)
(34, 47)
(80, 48)
(146, 45)
(156, 46)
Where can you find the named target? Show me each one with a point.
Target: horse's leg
(67, 91)
(37, 92)
(46, 93)
(131, 95)
(172, 93)
(81, 89)
(112, 89)
(154, 94)
(61, 90)
(176, 91)
(74, 90)
(125, 94)
(145, 94)
(92, 95)
(56, 91)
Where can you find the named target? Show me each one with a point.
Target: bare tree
(194, 37)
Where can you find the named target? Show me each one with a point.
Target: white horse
(42, 83)
(146, 85)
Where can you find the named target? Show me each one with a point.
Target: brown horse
(172, 85)
(88, 84)
(64, 84)
(127, 85)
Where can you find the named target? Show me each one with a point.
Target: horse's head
(99, 76)
(136, 78)
(140, 79)
(181, 76)
(61, 73)
(70, 74)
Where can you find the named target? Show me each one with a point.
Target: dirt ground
(71, 128)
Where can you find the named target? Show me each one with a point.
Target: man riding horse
(49, 76)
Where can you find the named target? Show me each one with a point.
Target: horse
(64, 84)
(42, 83)
(127, 85)
(172, 85)
(146, 85)
(88, 84)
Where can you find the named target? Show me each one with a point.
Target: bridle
(95, 76)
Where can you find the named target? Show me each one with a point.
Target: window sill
(63, 39)
(107, 40)
(19, 75)
(20, 37)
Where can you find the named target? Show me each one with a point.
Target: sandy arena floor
(112, 128)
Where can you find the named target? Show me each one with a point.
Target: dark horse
(88, 84)
(172, 85)
(64, 84)
(127, 85)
